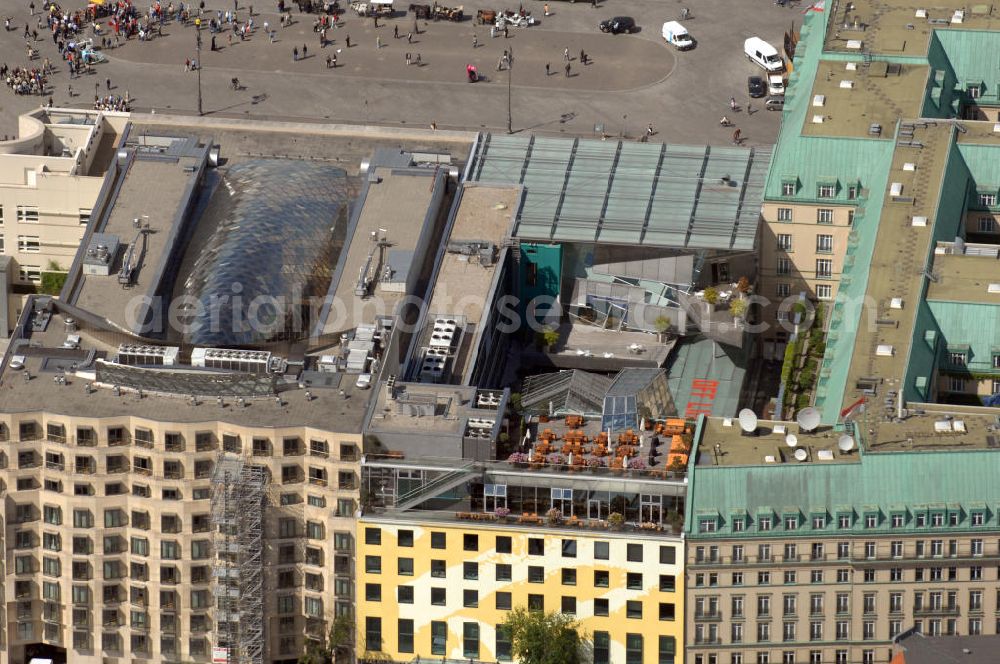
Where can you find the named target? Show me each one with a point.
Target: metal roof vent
(909, 166)
(885, 350)
(818, 119)
(847, 84)
(819, 100)
(919, 221)
(993, 289)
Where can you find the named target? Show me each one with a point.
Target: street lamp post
(510, 74)
(197, 33)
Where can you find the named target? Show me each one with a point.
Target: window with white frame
(784, 214)
(28, 244)
(84, 216)
(824, 216)
(494, 496)
(852, 192)
(824, 268)
(32, 273)
(985, 199)
(850, 217)
(974, 90)
(956, 384)
(783, 290)
(28, 214)
(784, 242)
(987, 225)
(824, 244)
(826, 191)
(824, 292)
(2, 244)
(788, 188)
(957, 358)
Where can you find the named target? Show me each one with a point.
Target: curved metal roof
(280, 226)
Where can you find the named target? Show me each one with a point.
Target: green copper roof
(886, 481)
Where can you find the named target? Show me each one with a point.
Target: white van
(775, 85)
(760, 52)
(676, 34)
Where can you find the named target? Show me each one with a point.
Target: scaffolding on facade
(239, 494)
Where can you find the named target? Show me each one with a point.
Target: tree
(550, 337)
(338, 644)
(544, 638)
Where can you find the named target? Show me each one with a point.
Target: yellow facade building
(442, 588)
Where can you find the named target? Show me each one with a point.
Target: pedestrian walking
(329, 61)
(31, 6)
(567, 70)
(271, 35)
(419, 61)
(71, 90)
(375, 17)
(583, 57)
(347, 41)
(409, 37)
(213, 43)
(649, 130)
(408, 60)
(566, 54)
(505, 35)
(378, 42)
(395, 32)
(334, 60)
(737, 136)
(267, 27)
(732, 103)
(547, 69)
(295, 54)
(475, 41)
(305, 51)
(322, 38)
(108, 83)
(546, 8)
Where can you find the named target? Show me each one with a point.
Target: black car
(618, 24)
(756, 87)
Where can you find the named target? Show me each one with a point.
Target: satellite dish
(791, 440)
(846, 443)
(808, 419)
(801, 454)
(748, 420)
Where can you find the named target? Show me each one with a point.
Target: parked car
(617, 25)
(763, 55)
(775, 103)
(676, 34)
(364, 381)
(756, 87)
(775, 85)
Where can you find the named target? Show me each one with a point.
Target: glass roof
(279, 228)
(630, 193)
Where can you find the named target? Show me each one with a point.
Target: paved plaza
(629, 82)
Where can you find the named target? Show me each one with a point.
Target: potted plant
(553, 517)
(555, 459)
(519, 459)
(676, 465)
(711, 295)
(616, 521)
(636, 464)
(502, 513)
(595, 464)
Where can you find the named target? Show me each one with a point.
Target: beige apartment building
(802, 251)
(826, 557)
(113, 543)
(51, 174)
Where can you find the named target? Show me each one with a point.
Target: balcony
(708, 616)
(943, 610)
(321, 481)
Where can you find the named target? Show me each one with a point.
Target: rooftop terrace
(893, 30)
(340, 407)
(850, 98)
(964, 278)
(723, 443)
